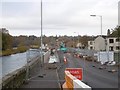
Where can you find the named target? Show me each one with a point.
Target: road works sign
(77, 72)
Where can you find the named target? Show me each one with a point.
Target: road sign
(77, 72)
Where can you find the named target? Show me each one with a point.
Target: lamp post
(41, 37)
(100, 21)
(101, 31)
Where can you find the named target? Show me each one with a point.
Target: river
(13, 62)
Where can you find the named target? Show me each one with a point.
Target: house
(91, 45)
(80, 45)
(98, 44)
(113, 44)
(105, 43)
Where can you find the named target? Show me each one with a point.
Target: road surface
(93, 76)
(54, 78)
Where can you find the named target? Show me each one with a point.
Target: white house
(108, 43)
(113, 44)
(80, 45)
(91, 45)
(98, 44)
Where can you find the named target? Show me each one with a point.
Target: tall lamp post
(101, 30)
(41, 36)
(100, 21)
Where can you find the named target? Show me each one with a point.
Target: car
(111, 63)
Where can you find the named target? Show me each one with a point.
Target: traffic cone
(65, 60)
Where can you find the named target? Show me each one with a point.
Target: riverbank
(14, 51)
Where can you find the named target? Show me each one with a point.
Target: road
(54, 78)
(93, 76)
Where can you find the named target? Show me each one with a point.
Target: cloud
(60, 15)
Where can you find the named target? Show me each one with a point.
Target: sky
(60, 17)
(119, 13)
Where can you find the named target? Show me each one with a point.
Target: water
(13, 62)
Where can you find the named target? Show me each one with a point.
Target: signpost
(77, 72)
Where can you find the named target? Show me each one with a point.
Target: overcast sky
(60, 17)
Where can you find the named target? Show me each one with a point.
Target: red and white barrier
(72, 83)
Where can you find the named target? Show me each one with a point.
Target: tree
(7, 41)
(116, 32)
(84, 40)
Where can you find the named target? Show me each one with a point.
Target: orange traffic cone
(65, 60)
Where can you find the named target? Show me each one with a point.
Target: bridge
(52, 73)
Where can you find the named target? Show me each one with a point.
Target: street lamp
(101, 29)
(100, 20)
(41, 36)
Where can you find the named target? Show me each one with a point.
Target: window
(111, 40)
(117, 40)
(91, 43)
(91, 48)
(117, 47)
(111, 48)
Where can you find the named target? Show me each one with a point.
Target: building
(113, 44)
(105, 43)
(91, 45)
(80, 45)
(119, 13)
(98, 44)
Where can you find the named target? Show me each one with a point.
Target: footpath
(43, 77)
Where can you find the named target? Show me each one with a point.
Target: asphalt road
(92, 76)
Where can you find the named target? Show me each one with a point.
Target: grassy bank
(13, 51)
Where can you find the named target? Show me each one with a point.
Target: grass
(13, 51)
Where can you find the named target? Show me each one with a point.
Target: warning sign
(77, 72)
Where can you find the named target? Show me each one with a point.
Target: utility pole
(41, 38)
(100, 29)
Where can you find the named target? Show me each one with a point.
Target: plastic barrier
(69, 80)
(72, 83)
(79, 84)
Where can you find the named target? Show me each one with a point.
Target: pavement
(43, 77)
